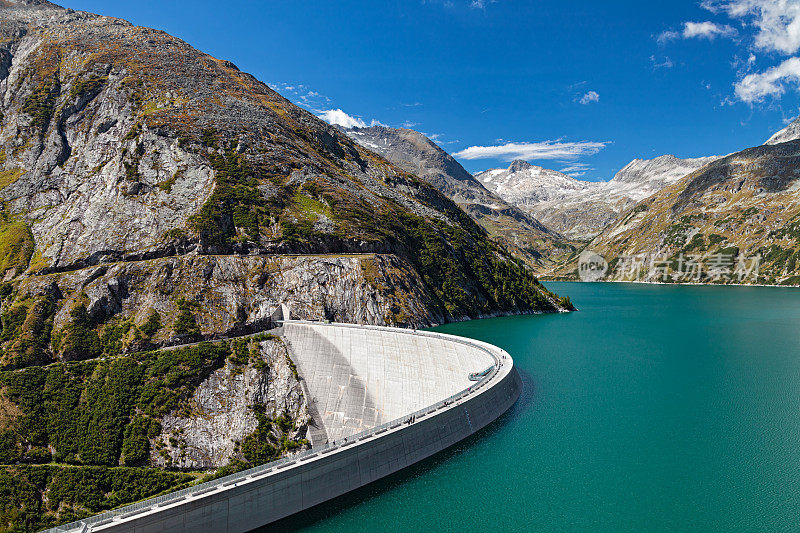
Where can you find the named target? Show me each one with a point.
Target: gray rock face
(414, 152)
(238, 294)
(106, 213)
(221, 412)
(642, 177)
(88, 187)
(581, 217)
(789, 133)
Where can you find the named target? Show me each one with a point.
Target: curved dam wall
(388, 398)
(360, 377)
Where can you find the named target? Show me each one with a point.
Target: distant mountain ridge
(412, 151)
(646, 176)
(744, 206)
(582, 209)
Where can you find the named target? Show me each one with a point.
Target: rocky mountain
(735, 220)
(581, 209)
(154, 195)
(527, 185)
(642, 177)
(790, 133)
(122, 144)
(412, 151)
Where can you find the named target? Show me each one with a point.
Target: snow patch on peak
(789, 133)
(524, 184)
(581, 209)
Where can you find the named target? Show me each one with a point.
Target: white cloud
(480, 4)
(292, 88)
(589, 98)
(707, 30)
(755, 88)
(532, 150)
(789, 119)
(576, 169)
(313, 100)
(666, 63)
(666, 36)
(698, 30)
(303, 96)
(777, 21)
(450, 4)
(337, 117)
(768, 26)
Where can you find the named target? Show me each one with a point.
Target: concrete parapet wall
(259, 497)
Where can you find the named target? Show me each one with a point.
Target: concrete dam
(382, 399)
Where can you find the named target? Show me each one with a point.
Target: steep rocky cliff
(221, 418)
(122, 143)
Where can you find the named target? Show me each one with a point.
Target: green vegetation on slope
(26, 329)
(463, 270)
(16, 244)
(186, 323)
(40, 105)
(81, 410)
(37, 497)
(91, 414)
(235, 204)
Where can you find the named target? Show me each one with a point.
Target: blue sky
(583, 86)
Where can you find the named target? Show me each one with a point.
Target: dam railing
(129, 511)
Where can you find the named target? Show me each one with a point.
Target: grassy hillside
(732, 215)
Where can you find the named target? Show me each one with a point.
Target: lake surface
(655, 408)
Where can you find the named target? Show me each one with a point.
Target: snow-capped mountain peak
(581, 209)
(525, 184)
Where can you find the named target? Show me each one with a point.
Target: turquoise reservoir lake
(655, 408)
